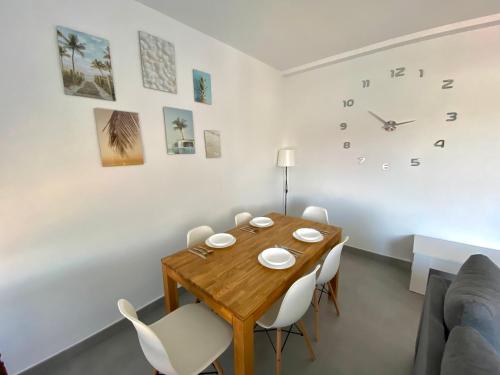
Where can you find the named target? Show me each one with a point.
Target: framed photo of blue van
(202, 87)
(179, 131)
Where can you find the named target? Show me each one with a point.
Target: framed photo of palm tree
(179, 131)
(119, 137)
(85, 64)
(202, 84)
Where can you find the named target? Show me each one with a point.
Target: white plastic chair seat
(317, 214)
(242, 218)
(193, 337)
(292, 305)
(289, 310)
(266, 321)
(330, 263)
(198, 234)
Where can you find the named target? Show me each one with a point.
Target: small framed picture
(202, 87)
(212, 144)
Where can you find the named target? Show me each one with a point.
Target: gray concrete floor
(375, 333)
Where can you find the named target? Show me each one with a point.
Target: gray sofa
(459, 329)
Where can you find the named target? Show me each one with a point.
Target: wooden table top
(234, 279)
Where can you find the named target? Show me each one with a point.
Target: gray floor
(375, 333)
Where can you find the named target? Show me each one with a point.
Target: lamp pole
(286, 158)
(286, 186)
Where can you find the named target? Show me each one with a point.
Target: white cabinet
(441, 255)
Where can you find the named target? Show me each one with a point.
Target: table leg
(243, 346)
(171, 292)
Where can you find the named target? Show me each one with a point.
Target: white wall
(453, 195)
(75, 236)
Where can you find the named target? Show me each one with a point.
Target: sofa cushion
(431, 337)
(467, 352)
(473, 299)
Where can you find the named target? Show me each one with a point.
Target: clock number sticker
(447, 84)
(451, 116)
(343, 126)
(386, 166)
(398, 72)
(361, 159)
(348, 103)
(421, 72)
(415, 162)
(366, 83)
(439, 143)
(347, 145)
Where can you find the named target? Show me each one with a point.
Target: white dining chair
(184, 342)
(318, 214)
(242, 218)
(328, 271)
(288, 311)
(198, 234)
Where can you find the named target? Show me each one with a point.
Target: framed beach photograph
(85, 64)
(119, 136)
(158, 63)
(202, 87)
(179, 131)
(212, 144)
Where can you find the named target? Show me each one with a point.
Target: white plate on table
(261, 222)
(308, 235)
(276, 258)
(220, 240)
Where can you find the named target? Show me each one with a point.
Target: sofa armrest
(431, 337)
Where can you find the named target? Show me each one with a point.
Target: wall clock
(384, 107)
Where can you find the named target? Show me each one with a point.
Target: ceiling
(290, 33)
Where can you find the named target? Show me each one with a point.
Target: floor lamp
(286, 159)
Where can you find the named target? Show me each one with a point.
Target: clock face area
(437, 174)
(400, 116)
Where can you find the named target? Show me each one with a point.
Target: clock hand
(377, 117)
(404, 122)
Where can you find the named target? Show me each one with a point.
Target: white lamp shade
(286, 157)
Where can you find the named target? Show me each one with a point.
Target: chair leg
(336, 305)
(278, 351)
(334, 283)
(302, 329)
(218, 367)
(329, 290)
(334, 299)
(316, 314)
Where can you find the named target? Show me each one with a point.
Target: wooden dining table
(233, 283)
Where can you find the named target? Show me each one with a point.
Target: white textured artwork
(158, 63)
(212, 144)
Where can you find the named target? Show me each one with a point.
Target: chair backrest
(242, 218)
(297, 300)
(151, 345)
(331, 263)
(318, 214)
(198, 234)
